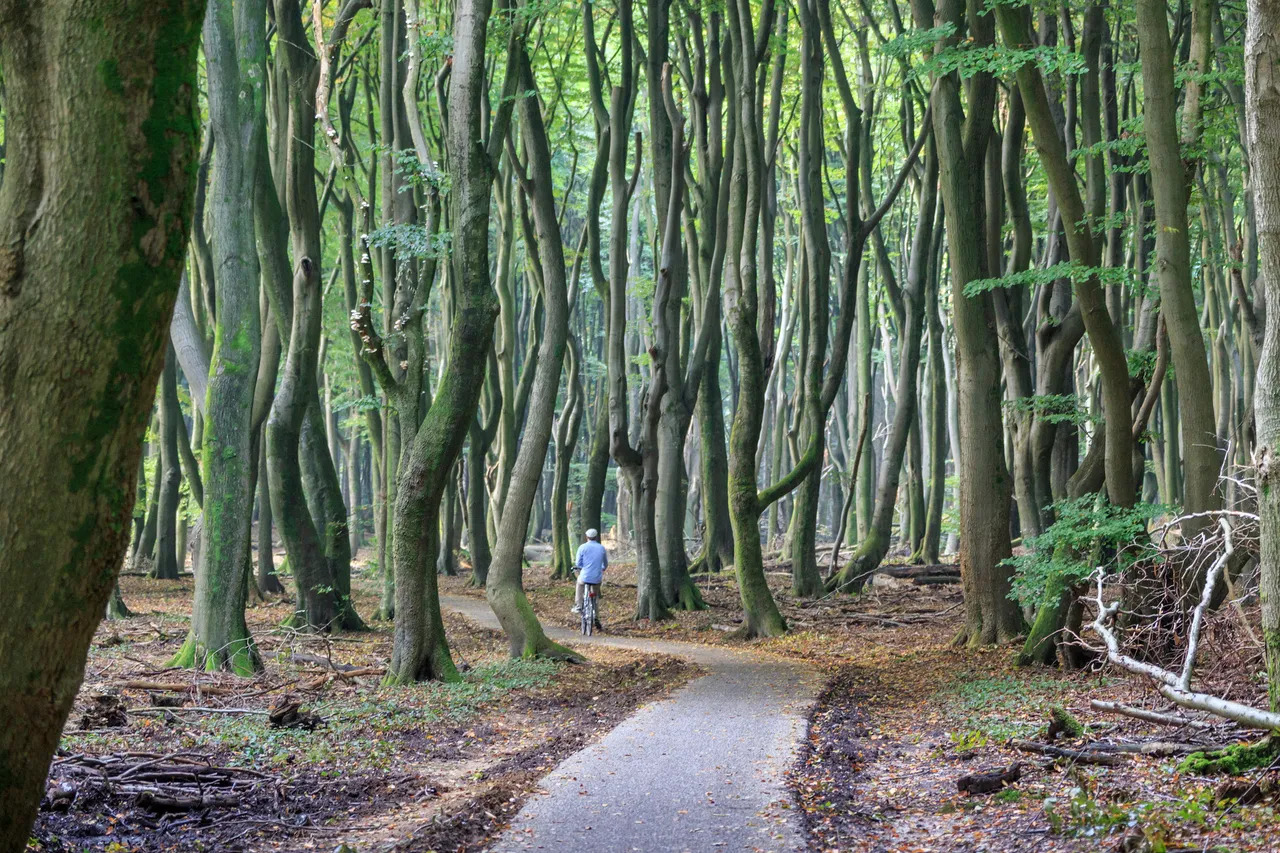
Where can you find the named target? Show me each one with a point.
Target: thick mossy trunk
(419, 649)
(235, 49)
(330, 514)
(100, 145)
(317, 604)
(650, 602)
(164, 562)
(806, 577)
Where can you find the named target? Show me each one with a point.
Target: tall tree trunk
(873, 548)
(235, 51)
(504, 588)
(164, 563)
(76, 76)
(984, 481)
(1171, 180)
(420, 651)
(1262, 86)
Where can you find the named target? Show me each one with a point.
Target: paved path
(702, 770)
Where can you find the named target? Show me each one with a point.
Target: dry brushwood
(989, 782)
(173, 782)
(1176, 686)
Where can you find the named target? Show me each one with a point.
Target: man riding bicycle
(591, 562)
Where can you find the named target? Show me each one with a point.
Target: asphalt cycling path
(702, 770)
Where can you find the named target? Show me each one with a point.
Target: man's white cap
(593, 533)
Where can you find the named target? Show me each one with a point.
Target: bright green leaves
(1071, 270)
(1087, 532)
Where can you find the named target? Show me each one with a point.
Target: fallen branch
(159, 686)
(987, 783)
(1079, 756)
(158, 802)
(1147, 716)
(1177, 686)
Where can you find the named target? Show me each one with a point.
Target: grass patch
(998, 707)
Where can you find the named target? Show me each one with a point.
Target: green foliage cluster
(1073, 271)
(1086, 531)
(1051, 408)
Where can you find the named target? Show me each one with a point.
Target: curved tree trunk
(419, 650)
(504, 588)
(76, 76)
(315, 595)
(871, 552)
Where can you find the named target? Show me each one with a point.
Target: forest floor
(161, 759)
(905, 715)
(902, 717)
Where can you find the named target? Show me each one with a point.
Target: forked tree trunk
(100, 142)
(504, 588)
(985, 488)
(316, 604)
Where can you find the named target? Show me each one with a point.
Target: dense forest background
(782, 285)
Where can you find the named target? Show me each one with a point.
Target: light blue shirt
(591, 561)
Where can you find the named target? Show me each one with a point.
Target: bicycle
(590, 614)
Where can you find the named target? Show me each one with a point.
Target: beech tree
(100, 153)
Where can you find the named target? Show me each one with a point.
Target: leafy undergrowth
(431, 766)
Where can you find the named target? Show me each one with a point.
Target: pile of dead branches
(174, 782)
(1163, 641)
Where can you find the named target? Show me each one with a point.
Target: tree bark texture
(1262, 87)
(101, 130)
